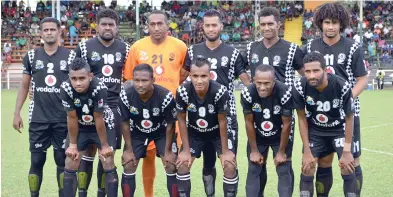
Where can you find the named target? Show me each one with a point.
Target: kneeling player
(151, 109)
(84, 99)
(203, 103)
(267, 107)
(325, 109)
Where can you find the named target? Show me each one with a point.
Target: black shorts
(139, 146)
(43, 135)
(357, 146)
(263, 149)
(322, 146)
(117, 121)
(197, 143)
(85, 138)
(233, 131)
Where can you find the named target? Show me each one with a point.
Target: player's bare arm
(128, 154)
(185, 155)
(281, 157)
(245, 78)
(169, 157)
(346, 161)
(255, 155)
(73, 130)
(301, 71)
(106, 151)
(226, 154)
(361, 83)
(308, 159)
(20, 100)
(183, 75)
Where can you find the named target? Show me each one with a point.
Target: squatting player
(106, 56)
(150, 110)
(203, 103)
(286, 57)
(324, 105)
(226, 65)
(45, 68)
(166, 55)
(267, 107)
(90, 121)
(343, 57)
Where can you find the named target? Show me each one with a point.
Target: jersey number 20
(323, 106)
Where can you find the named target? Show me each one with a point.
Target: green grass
(377, 121)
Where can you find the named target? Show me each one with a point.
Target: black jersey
(226, 65)
(148, 118)
(93, 100)
(325, 110)
(202, 114)
(107, 63)
(286, 57)
(268, 112)
(47, 73)
(345, 59)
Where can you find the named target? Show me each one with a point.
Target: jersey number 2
(50, 68)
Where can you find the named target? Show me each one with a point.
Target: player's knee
(59, 157)
(310, 172)
(284, 169)
(326, 162)
(229, 170)
(184, 169)
(108, 163)
(38, 159)
(91, 150)
(345, 171)
(72, 164)
(131, 167)
(357, 162)
(170, 168)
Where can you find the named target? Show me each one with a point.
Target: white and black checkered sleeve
(346, 100)
(81, 50)
(128, 47)
(246, 100)
(287, 101)
(99, 94)
(298, 95)
(188, 59)
(66, 96)
(169, 108)
(28, 62)
(182, 98)
(124, 104)
(221, 99)
(71, 57)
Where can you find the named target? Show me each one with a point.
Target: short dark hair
(144, 67)
(266, 68)
(333, 11)
(315, 57)
(158, 12)
(213, 13)
(50, 20)
(79, 64)
(107, 13)
(200, 62)
(269, 11)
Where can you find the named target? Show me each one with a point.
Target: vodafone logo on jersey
(267, 125)
(107, 70)
(213, 75)
(322, 118)
(159, 70)
(147, 124)
(50, 80)
(87, 118)
(330, 69)
(202, 123)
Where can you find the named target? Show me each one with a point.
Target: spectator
(380, 79)
(348, 32)
(356, 37)
(371, 51)
(308, 24)
(73, 34)
(236, 36)
(246, 34)
(368, 35)
(225, 37)
(34, 29)
(7, 47)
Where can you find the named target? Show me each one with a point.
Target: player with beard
(106, 57)
(343, 57)
(44, 68)
(284, 56)
(325, 109)
(226, 65)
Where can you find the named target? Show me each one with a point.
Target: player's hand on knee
(72, 152)
(229, 157)
(127, 157)
(256, 157)
(280, 158)
(184, 158)
(169, 158)
(308, 163)
(106, 151)
(346, 162)
(18, 123)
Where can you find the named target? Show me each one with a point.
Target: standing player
(286, 57)
(203, 103)
(166, 55)
(267, 108)
(90, 121)
(344, 58)
(151, 109)
(226, 64)
(106, 55)
(45, 68)
(324, 106)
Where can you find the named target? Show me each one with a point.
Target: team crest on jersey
(171, 56)
(143, 56)
(277, 109)
(257, 107)
(39, 64)
(77, 102)
(146, 114)
(63, 65)
(95, 56)
(134, 110)
(254, 58)
(156, 111)
(341, 58)
(224, 61)
(211, 108)
(118, 56)
(322, 118)
(336, 102)
(276, 60)
(202, 111)
(202, 123)
(191, 108)
(310, 100)
(90, 102)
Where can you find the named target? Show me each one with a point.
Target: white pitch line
(376, 126)
(377, 151)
